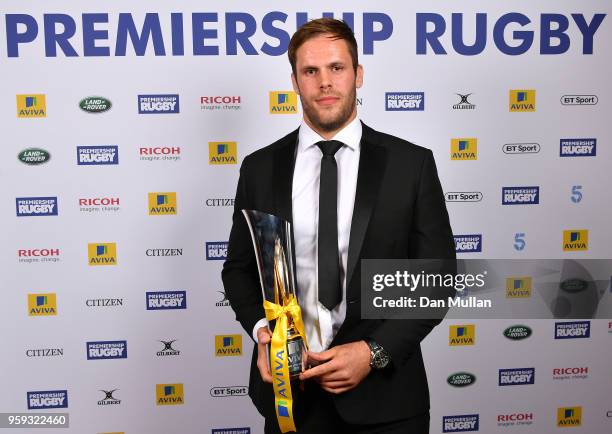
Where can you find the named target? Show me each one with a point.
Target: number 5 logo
(519, 241)
(576, 193)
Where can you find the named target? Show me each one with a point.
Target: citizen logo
(45, 352)
(220, 202)
(109, 399)
(463, 103)
(104, 302)
(168, 350)
(164, 252)
(226, 391)
(579, 99)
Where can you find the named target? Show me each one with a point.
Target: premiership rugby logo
(47, 399)
(34, 156)
(520, 195)
(216, 250)
(164, 300)
(573, 330)
(512, 377)
(158, 104)
(460, 423)
(95, 104)
(578, 147)
(95, 155)
(468, 243)
(36, 206)
(405, 101)
(106, 350)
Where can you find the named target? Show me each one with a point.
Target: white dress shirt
(321, 324)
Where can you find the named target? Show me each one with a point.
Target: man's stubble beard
(335, 123)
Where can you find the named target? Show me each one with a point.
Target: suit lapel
(372, 162)
(284, 162)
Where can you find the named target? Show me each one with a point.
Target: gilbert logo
(569, 417)
(42, 304)
(31, 106)
(102, 253)
(575, 240)
(222, 152)
(522, 100)
(169, 394)
(462, 335)
(228, 345)
(518, 287)
(283, 102)
(162, 203)
(464, 149)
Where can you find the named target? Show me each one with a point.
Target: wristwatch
(379, 358)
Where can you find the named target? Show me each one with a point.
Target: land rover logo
(461, 379)
(34, 156)
(95, 104)
(573, 285)
(517, 332)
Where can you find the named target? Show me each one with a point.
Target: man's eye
(337, 68)
(310, 72)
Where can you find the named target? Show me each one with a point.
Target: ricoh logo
(169, 394)
(521, 148)
(468, 243)
(573, 330)
(160, 153)
(522, 100)
(574, 373)
(216, 250)
(520, 195)
(97, 155)
(512, 377)
(579, 99)
(47, 399)
(461, 335)
(38, 255)
(578, 147)
(106, 350)
(168, 349)
(163, 300)
(99, 204)
(220, 103)
(518, 287)
(36, 206)
(228, 391)
(283, 102)
(463, 103)
(460, 423)
(463, 196)
(575, 240)
(31, 106)
(162, 203)
(514, 419)
(158, 104)
(464, 149)
(404, 101)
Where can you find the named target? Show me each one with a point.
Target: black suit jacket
(399, 213)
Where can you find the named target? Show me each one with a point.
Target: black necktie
(330, 289)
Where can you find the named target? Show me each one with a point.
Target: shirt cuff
(261, 323)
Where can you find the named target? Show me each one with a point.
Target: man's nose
(325, 79)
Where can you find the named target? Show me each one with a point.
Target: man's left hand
(340, 368)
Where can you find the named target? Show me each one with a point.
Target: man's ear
(359, 77)
(296, 88)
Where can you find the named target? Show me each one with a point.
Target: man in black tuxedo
(350, 192)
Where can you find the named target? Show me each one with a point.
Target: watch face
(381, 359)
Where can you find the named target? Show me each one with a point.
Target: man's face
(326, 82)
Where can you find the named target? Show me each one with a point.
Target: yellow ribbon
(283, 401)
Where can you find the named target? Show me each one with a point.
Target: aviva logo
(42, 304)
(228, 345)
(462, 335)
(162, 203)
(102, 253)
(575, 240)
(569, 417)
(283, 102)
(31, 106)
(169, 394)
(518, 287)
(522, 100)
(464, 149)
(222, 152)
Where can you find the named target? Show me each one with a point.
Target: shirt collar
(350, 135)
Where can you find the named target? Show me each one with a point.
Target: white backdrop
(394, 66)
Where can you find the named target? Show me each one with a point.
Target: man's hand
(341, 368)
(263, 337)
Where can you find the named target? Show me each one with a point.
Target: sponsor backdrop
(124, 126)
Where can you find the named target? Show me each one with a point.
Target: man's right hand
(264, 336)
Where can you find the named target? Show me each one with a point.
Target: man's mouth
(327, 100)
